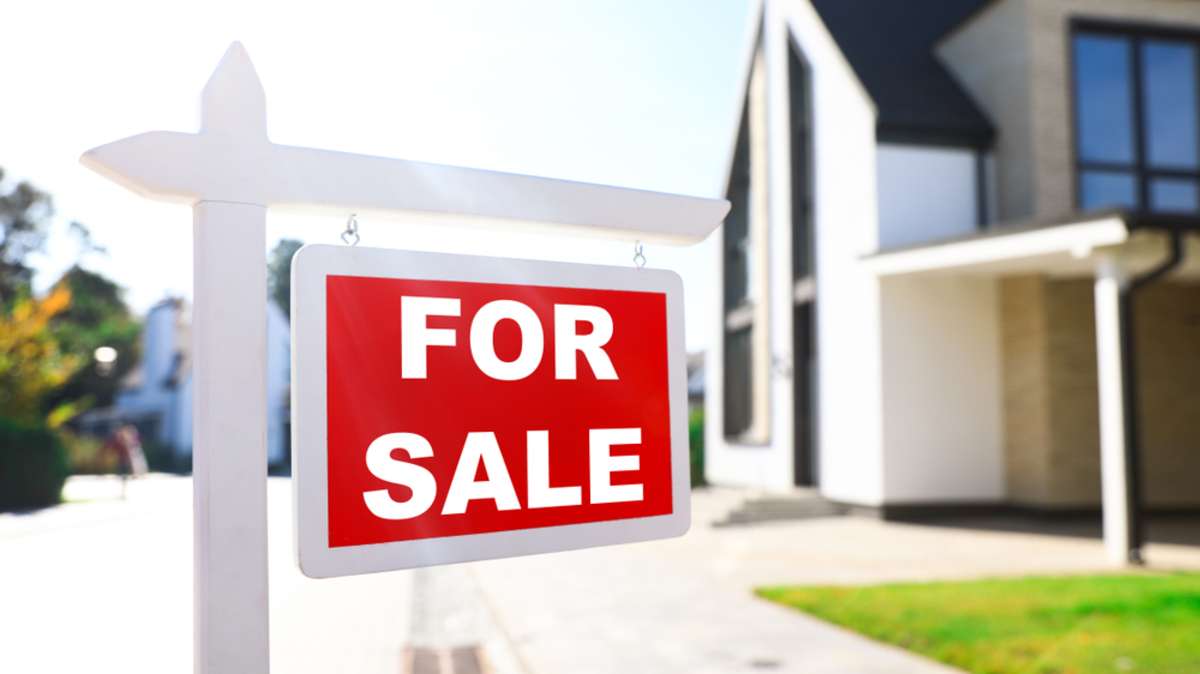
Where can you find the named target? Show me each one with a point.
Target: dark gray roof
(890, 44)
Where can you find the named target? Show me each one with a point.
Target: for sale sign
(450, 408)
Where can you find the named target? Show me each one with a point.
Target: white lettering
(541, 494)
(567, 340)
(602, 464)
(383, 466)
(480, 447)
(483, 334)
(415, 334)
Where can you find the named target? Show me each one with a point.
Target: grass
(1137, 623)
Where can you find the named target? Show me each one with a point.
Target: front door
(804, 380)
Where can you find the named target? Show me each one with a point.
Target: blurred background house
(943, 214)
(156, 395)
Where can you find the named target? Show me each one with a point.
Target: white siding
(925, 194)
(943, 406)
(845, 224)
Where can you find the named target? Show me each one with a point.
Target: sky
(621, 92)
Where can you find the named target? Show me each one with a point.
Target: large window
(1137, 127)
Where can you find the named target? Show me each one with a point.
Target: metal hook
(639, 257)
(351, 231)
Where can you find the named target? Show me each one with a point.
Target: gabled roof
(891, 46)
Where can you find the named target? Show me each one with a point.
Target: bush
(86, 455)
(33, 466)
(696, 445)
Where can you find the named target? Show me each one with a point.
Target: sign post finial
(233, 102)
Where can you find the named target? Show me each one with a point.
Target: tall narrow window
(738, 357)
(804, 296)
(745, 357)
(1137, 119)
(737, 223)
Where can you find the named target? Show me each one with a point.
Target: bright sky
(622, 92)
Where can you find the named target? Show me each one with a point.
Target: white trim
(741, 316)
(804, 290)
(310, 268)
(1069, 239)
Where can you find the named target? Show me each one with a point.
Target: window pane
(801, 131)
(1103, 102)
(737, 223)
(1169, 72)
(1106, 189)
(1174, 196)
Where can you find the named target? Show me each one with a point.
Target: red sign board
(451, 408)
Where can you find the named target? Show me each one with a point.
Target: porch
(1054, 367)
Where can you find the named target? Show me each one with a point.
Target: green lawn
(1138, 623)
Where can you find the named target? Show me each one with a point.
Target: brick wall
(1052, 444)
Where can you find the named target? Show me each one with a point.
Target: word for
(416, 337)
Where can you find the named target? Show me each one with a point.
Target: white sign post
(231, 173)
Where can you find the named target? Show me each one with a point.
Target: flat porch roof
(1069, 246)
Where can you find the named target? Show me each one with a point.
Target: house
(960, 269)
(157, 395)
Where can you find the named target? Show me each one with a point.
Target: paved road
(105, 585)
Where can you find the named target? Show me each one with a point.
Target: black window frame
(1143, 174)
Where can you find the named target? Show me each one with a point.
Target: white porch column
(1113, 475)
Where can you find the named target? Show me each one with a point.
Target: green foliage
(86, 455)
(1146, 623)
(32, 362)
(97, 316)
(279, 273)
(25, 213)
(696, 445)
(33, 466)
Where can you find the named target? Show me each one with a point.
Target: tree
(279, 273)
(32, 362)
(96, 317)
(25, 212)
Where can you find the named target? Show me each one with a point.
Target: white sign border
(310, 268)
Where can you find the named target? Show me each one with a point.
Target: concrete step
(774, 508)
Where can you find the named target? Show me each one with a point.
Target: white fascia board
(1075, 239)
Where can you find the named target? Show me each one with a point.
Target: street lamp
(106, 359)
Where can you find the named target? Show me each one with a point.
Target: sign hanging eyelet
(350, 235)
(639, 256)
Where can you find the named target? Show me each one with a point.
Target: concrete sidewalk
(685, 605)
(105, 585)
